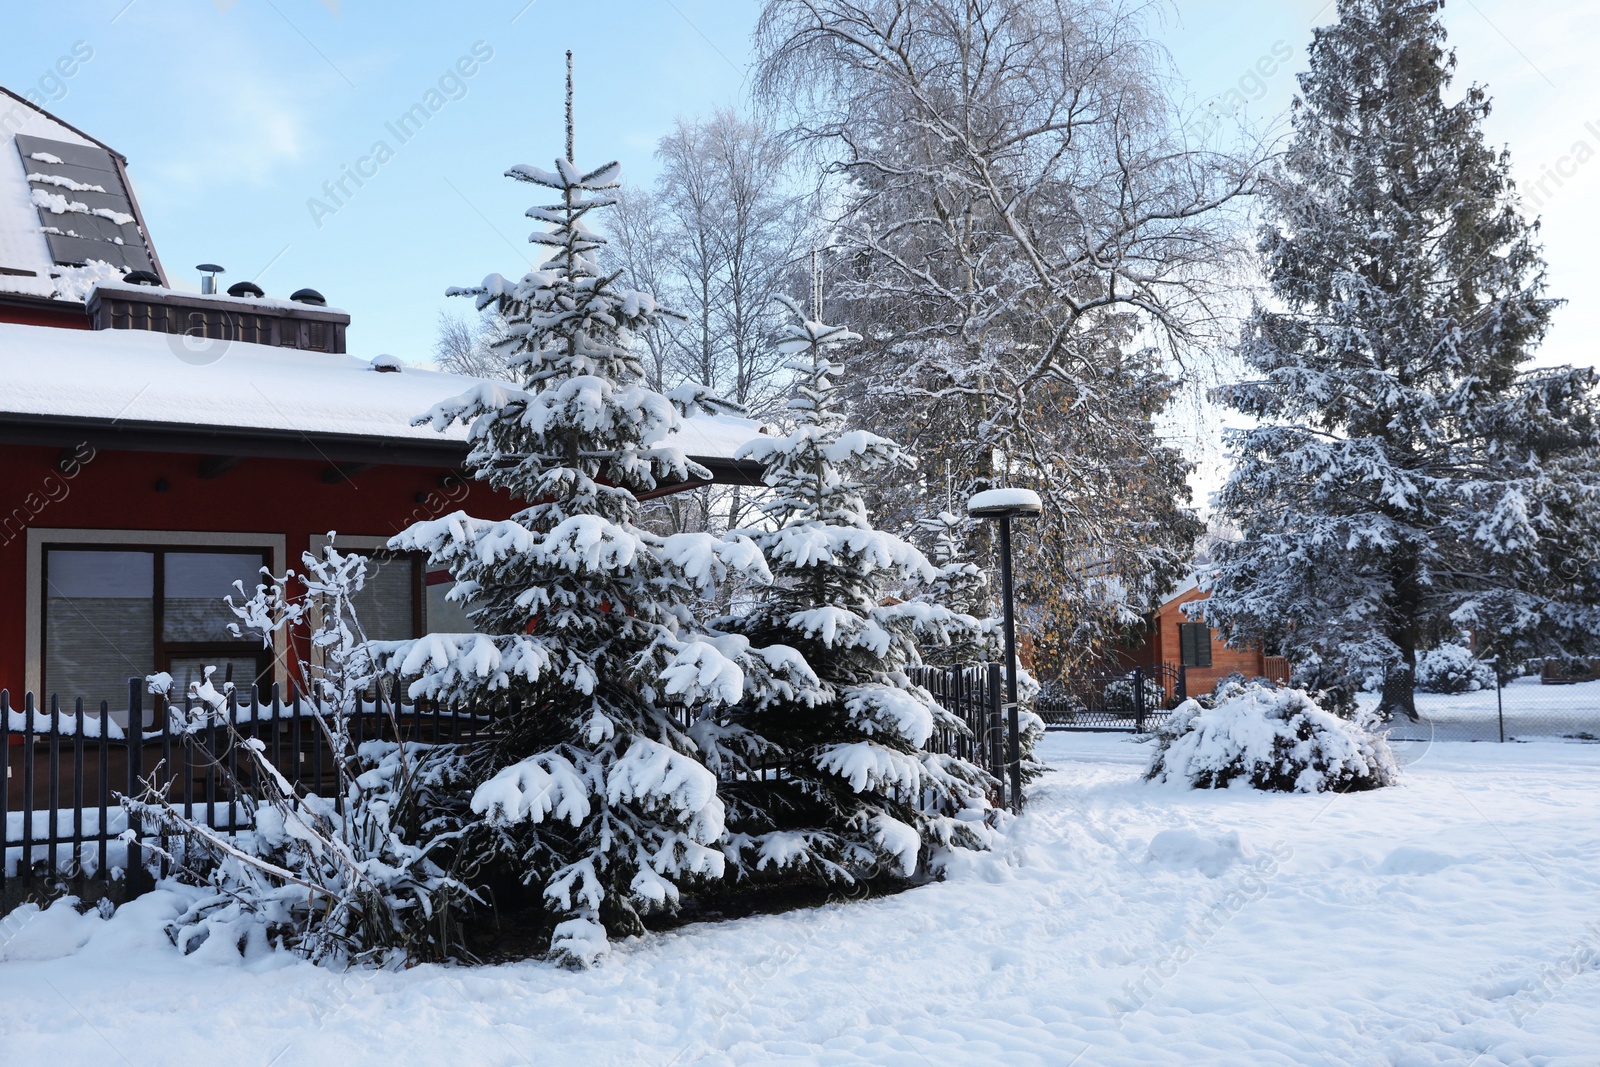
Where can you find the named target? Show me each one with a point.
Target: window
(116, 613)
(1194, 642)
(445, 616)
(389, 606)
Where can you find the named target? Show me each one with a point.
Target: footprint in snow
(1410, 860)
(1185, 849)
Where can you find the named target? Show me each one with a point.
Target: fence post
(1014, 728)
(25, 868)
(1138, 700)
(1499, 699)
(1183, 681)
(5, 782)
(133, 876)
(996, 732)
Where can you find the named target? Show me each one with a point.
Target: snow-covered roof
(89, 199)
(1189, 584)
(111, 287)
(137, 377)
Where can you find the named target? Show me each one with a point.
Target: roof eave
(125, 435)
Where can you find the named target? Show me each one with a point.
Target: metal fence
(1543, 706)
(976, 695)
(1552, 705)
(67, 770)
(1106, 698)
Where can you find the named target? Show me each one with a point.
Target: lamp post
(1003, 505)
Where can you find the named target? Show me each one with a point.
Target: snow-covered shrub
(1453, 669)
(337, 883)
(1272, 739)
(1032, 729)
(358, 877)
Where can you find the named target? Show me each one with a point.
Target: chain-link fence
(1548, 704)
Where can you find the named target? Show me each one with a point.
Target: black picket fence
(67, 770)
(976, 695)
(1113, 699)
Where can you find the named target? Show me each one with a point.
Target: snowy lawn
(1452, 920)
(1531, 710)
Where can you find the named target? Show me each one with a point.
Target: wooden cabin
(1175, 639)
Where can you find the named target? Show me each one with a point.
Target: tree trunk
(1405, 604)
(1399, 690)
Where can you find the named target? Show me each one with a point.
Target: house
(1174, 639)
(158, 444)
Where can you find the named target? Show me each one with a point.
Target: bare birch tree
(724, 231)
(1036, 253)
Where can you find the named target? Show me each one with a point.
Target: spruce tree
(858, 796)
(590, 790)
(1410, 475)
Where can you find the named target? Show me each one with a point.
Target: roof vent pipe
(208, 279)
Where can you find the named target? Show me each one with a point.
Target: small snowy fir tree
(857, 796)
(960, 585)
(1410, 475)
(360, 876)
(592, 791)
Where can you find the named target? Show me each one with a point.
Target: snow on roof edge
(133, 376)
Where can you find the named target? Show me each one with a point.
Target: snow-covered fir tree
(859, 798)
(591, 792)
(1410, 475)
(960, 585)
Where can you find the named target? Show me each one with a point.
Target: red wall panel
(118, 490)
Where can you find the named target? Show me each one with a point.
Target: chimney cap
(250, 289)
(308, 296)
(210, 268)
(141, 277)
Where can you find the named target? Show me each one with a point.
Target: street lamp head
(1004, 504)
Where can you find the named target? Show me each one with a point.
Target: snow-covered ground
(1452, 920)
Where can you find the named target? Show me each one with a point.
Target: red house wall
(118, 490)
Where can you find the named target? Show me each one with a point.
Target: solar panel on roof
(85, 209)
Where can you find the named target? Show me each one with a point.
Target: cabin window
(113, 613)
(1194, 641)
(389, 605)
(443, 615)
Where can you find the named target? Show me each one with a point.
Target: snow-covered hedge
(1452, 669)
(1272, 739)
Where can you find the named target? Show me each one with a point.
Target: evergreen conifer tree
(591, 790)
(1410, 474)
(859, 796)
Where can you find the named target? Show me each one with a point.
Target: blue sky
(235, 113)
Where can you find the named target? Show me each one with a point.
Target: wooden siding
(1162, 647)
